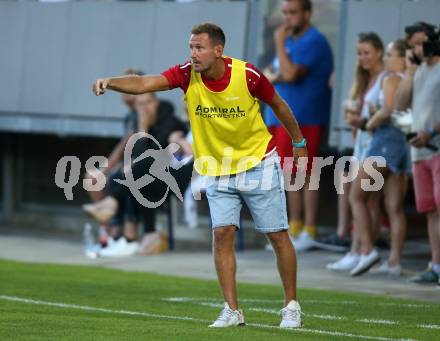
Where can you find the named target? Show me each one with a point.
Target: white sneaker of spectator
(120, 248)
(94, 251)
(366, 263)
(386, 269)
(304, 242)
(291, 315)
(110, 241)
(346, 263)
(229, 318)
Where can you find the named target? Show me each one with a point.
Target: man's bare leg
(286, 262)
(225, 263)
(294, 199)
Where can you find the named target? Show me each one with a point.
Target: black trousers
(153, 192)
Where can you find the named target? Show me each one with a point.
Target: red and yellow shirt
(225, 116)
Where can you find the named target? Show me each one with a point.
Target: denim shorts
(389, 142)
(261, 188)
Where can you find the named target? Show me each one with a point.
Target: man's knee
(223, 235)
(278, 238)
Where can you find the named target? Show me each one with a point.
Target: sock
(295, 227)
(436, 268)
(311, 230)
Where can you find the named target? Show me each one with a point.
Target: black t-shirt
(131, 122)
(166, 124)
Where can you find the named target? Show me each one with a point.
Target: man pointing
(231, 146)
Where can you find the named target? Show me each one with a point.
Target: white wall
(54, 51)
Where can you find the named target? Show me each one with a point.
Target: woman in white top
(365, 89)
(389, 142)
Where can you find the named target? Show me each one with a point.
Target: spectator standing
(301, 72)
(365, 89)
(420, 90)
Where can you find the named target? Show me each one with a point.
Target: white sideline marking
(264, 310)
(322, 317)
(277, 312)
(254, 300)
(327, 317)
(210, 303)
(328, 332)
(103, 310)
(206, 299)
(272, 311)
(428, 326)
(377, 321)
(405, 305)
(183, 318)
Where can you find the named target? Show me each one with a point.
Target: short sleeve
(178, 76)
(258, 85)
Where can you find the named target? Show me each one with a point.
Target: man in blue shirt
(301, 72)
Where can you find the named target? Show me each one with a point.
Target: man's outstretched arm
(131, 84)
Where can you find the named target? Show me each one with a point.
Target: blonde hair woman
(365, 89)
(390, 143)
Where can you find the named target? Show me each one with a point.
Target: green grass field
(44, 301)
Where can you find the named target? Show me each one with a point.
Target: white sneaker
(229, 318)
(366, 262)
(93, 251)
(120, 248)
(111, 241)
(386, 269)
(346, 263)
(291, 315)
(304, 242)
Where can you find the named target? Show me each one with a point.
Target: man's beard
(204, 68)
(297, 29)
